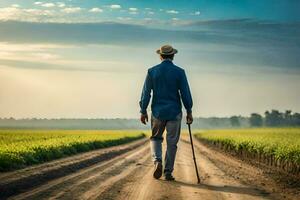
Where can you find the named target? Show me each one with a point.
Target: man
(169, 86)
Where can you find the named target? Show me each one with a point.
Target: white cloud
(151, 13)
(133, 9)
(12, 13)
(197, 13)
(44, 56)
(133, 13)
(175, 19)
(10, 47)
(115, 6)
(38, 12)
(8, 13)
(60, 4)
(38, 3)
(124, 18)
(172, 11)
(96, 10)
(15, 5)
(148, 9)
(48, 5)
(71, 10)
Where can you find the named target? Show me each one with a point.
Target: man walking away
(169, 87)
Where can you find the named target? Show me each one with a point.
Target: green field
(277, 146)
(20, 148)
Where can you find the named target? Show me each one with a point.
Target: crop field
(277, 147)
(19, 148)
(126, 172)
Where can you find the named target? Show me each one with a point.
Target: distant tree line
(272, 118)
(275, 118)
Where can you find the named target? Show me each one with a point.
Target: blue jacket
(169, 86)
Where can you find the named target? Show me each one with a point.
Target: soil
(129, 175)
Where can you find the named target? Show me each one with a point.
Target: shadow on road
(226, 188)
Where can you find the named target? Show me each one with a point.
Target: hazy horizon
(74, 59)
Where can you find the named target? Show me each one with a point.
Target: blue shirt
(169, 86)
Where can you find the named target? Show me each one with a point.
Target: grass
(20, 148)
(282, 145)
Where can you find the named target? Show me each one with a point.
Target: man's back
(168, 83)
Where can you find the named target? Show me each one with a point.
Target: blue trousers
(173, 133)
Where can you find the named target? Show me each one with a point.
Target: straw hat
(166, 50)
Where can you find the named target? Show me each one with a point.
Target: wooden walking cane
(191, 138)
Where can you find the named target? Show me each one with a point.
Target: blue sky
(81, 58)
(99, 10)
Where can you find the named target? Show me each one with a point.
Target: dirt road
(129, 176)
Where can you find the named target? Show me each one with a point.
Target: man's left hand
(144, 118)
(189, 118)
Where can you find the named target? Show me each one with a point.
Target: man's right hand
(144, 118)
(189, 118)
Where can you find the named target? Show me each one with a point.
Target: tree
(256, 120)
(296, 119)
(274, 118)
(234, 120)
(288, 118)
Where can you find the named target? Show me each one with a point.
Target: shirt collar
(167, 60)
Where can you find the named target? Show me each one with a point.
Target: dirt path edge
(290, 178)
(15, 182)
(278, 184)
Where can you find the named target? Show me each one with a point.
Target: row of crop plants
(275, 147)
(21, 148)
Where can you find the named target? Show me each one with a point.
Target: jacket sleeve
(146, 94)
(185, 93)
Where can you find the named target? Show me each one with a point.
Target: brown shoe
(157, 170)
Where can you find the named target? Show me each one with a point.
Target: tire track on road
(68, 187)
(129, 176)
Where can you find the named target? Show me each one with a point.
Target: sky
(88, 59)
